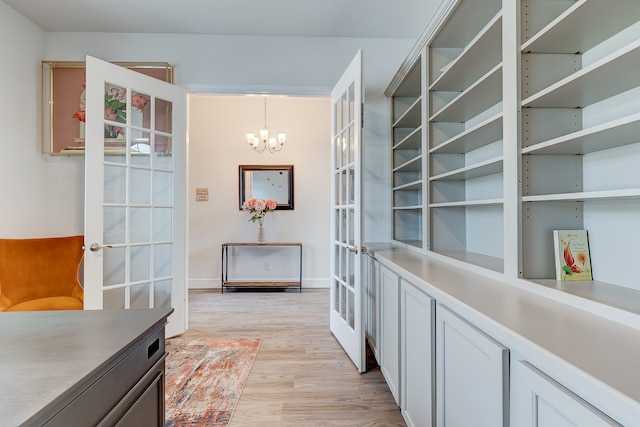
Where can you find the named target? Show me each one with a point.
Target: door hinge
(362, 115)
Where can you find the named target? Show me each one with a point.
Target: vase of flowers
(258, 208)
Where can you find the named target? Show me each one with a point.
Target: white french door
(347, 314)
(135, 193)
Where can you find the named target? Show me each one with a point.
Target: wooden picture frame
(62, 90)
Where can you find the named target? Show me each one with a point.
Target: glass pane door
(135, 195)
(346, 318)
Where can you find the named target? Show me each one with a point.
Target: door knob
(353, 249)
(95, 247)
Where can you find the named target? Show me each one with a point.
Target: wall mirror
(267, 182)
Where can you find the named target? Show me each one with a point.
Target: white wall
(23, 197)
(217, 144)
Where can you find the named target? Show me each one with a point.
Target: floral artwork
(258, 208)
(64, 110)
(115, 108)
(115, 105)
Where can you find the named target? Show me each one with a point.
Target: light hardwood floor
(301, 375)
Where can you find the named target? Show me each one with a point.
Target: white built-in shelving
(513, 121)
(580, 140)
(407, 154)
(465, 164)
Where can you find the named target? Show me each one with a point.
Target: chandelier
(263, 141)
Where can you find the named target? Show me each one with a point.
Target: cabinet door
(417, 314)
(373, 305)
(542, 402)
(472, 371)
(390, 330)
(148, 409)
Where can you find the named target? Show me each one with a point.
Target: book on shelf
(572, 258)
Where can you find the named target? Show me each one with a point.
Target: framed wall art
(63, 90)
(267, 182)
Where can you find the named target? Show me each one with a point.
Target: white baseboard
(215, 283)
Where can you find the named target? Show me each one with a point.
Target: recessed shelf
(412, 117)
(602, 292)
(616, 133)
(412, 165)
(466, 21)
(481, 260)
(407, 157)
(593, 83)
(480, 96)
(473, 138)
(402, 157)
(632, 193)
(415, 185)
(407, 226)
(582, 27)
(465, 203)
(413, 141)
(487, 167)
(406, 208)
(482, 54)
(416, 243)
(411, 83)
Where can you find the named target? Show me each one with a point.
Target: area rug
(204, 379)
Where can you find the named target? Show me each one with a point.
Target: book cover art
(573, 261)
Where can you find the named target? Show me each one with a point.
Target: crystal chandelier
(263, 141)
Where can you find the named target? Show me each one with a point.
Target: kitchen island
(62, 368)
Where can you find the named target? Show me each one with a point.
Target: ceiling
(305, 18)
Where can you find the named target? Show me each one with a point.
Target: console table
(259, 284)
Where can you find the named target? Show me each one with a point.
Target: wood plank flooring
(301, 375)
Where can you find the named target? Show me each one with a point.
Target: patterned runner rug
(204, 379)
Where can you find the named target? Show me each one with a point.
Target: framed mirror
(267, 182)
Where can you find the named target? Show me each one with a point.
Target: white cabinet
(472, 372)
(453, 339)
(539, 401)
(390, 330)
(417, 325)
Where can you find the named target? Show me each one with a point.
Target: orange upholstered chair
(41, 274)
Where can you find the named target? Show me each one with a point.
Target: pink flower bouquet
(258, 208)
